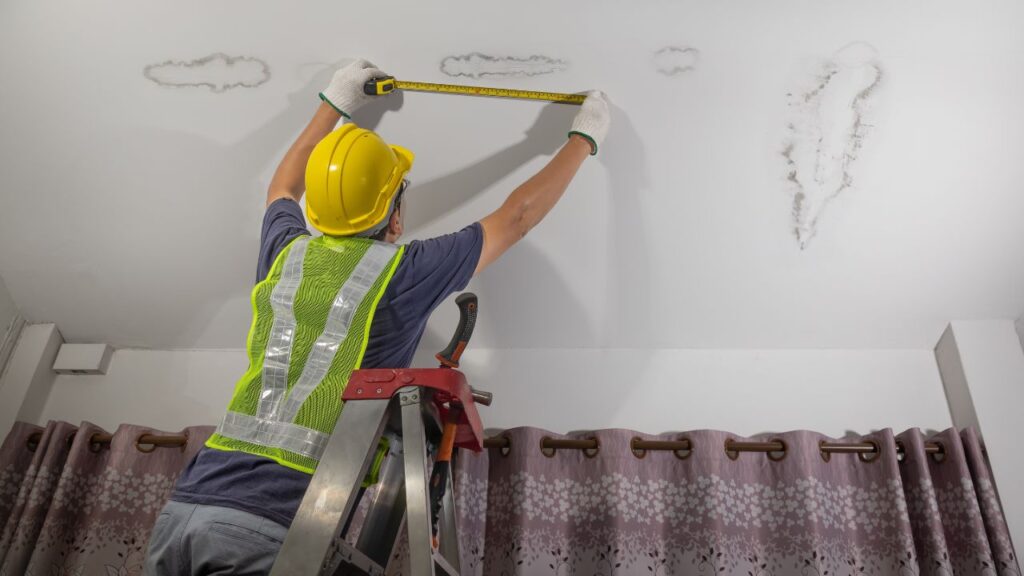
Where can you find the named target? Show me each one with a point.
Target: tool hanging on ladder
(388, 84)
(449, 358)
(417, 408)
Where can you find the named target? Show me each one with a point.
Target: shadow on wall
(447, 192)
(539, 305)
(629, 307)
(542, 303)
(218, 187)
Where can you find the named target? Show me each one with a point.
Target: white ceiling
(130, 209)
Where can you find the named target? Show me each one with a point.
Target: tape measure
(388, 84)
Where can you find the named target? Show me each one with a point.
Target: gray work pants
(198, 540)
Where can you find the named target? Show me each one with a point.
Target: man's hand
(532, 200)
(592, 120)
(345, 92)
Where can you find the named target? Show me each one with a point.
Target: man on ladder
(324, 307)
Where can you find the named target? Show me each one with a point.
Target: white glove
(345, 93)
(593, 119)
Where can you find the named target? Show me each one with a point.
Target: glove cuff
(593, 143)
(339, 110)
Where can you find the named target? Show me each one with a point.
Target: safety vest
(310, 326)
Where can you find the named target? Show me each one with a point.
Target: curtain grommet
(729, 452)
(826, 456)
(71, 438)
(639, 453)
(785, 450)
(546, 451)
(939, 456)
(901, 452)
(33, 440)
(872, 456)
(591, 453)
(139, 445)
(95, 446)
(185, 443)
(684, 454)
(507, 448)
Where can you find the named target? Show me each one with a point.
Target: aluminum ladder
(416, 410)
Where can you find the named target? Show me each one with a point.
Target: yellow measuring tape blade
(490, 92)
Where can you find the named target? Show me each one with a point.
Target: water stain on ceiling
(477, 65)
(829, 122)
(217, 72)
(675, 60)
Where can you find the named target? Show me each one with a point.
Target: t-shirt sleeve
(282, 223)
(433, 269)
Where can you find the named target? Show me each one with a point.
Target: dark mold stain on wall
(826, 132)
(477, 65)
(217, 72)
(675, 60)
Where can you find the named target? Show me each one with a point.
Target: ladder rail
(333, 490)
(417, 495)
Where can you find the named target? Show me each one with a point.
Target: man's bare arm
(530, 202)
(342, 97)
(289, 180)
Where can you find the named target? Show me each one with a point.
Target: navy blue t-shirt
(429, 272)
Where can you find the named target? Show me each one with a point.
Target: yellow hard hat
(351, 178)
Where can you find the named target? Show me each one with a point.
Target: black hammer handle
(449, 357)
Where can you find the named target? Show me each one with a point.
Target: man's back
(428, 273)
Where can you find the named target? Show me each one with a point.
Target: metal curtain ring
(901, 452)
(637, 452)
(731, 454)
(785, 450)
(139, 445)
(593, 452)
(826, 456)
(684, 454)
(549, 452)
(870, 456)
(507, 448)
(95, 446)
(939, 456)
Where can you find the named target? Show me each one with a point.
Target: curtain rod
(867, 451)
(590, 446)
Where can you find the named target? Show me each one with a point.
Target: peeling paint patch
(477, 65)
(829, 122)
(675, 60)
(218, 72)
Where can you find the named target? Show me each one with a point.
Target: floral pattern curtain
(71, 506)
(800, 513)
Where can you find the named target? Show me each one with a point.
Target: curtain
(70, 505)
(917, 506)
(799, 512)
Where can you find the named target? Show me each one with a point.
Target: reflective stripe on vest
(274, 423)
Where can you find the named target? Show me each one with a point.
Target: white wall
(679, 234)
(163, 389)
(25, 384)
(7, 309)
(1020, 330)
(743, 391)
(985, 356)
(10, 324)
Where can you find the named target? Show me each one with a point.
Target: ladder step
(441, 563)
(347, 560)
